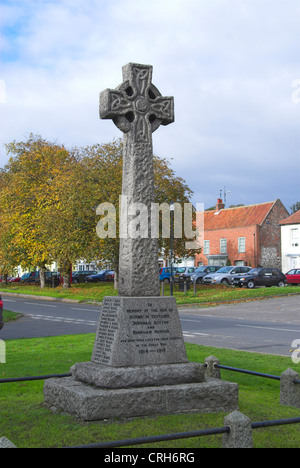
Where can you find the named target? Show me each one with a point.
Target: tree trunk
(42, 277)
(66, 267)
(116, 274)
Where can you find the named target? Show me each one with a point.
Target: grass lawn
(28, 423)
(9, 316)
(205, 295)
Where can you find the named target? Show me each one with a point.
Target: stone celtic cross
(137, 108)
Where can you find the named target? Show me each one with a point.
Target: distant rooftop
(293, 219)
(237, 217)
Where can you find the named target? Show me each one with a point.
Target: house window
(223, 246)
(206, 247)
(295, 237)
(242, 244)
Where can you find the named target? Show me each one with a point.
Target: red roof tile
(293, 219)
(237, 217)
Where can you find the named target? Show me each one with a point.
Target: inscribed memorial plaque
(139, 331)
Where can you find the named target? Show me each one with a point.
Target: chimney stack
(220, 205)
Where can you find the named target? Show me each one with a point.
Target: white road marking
(269, 328)
(40, 305)
(62, 319)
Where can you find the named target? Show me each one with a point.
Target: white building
(290, 242)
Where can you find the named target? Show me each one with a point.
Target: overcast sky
(233, 67)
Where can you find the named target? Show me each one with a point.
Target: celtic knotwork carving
(141, 78)
(142, 134)
(162, 108)
(119, 102)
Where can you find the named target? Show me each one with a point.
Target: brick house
(290, 242)
(246, 235)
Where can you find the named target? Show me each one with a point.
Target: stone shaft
(138, 260)
(137, 109)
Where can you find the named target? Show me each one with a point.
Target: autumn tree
(102, 166)
(50, 198)
(28, 194)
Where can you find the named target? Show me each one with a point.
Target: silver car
(225, 275)
(202, 271)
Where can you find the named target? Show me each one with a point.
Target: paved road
(48, 318)
(269, 326)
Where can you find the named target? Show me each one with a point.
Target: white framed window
(242, 244)
(206, 247)
(294, 232)
(223, 246)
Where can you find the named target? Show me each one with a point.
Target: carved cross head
(136, 106)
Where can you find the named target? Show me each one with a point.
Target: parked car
(202, 271)
(34, 277)
(24, 277)
(165, 273)
(52, 278)
(225, 274)
(101, 276)
(261, 277)
(15, 279)
(183, 273)
(31, 277)
(80, 276)
(293, 276)
(110, 276)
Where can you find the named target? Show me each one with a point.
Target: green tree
(295, 207)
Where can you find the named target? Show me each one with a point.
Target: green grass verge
(28, 423)
(9, 316)
(205, 295)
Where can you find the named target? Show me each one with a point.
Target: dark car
(80, 276)
(29, 278)
(200, 272)
(261, 277)
(103, 275)
(183, 273)
(52, 278)
(1, 314)
(110, 276)
(293, 276)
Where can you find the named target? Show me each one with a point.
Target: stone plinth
(139, 376)
(90, 403)
(139, 367)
